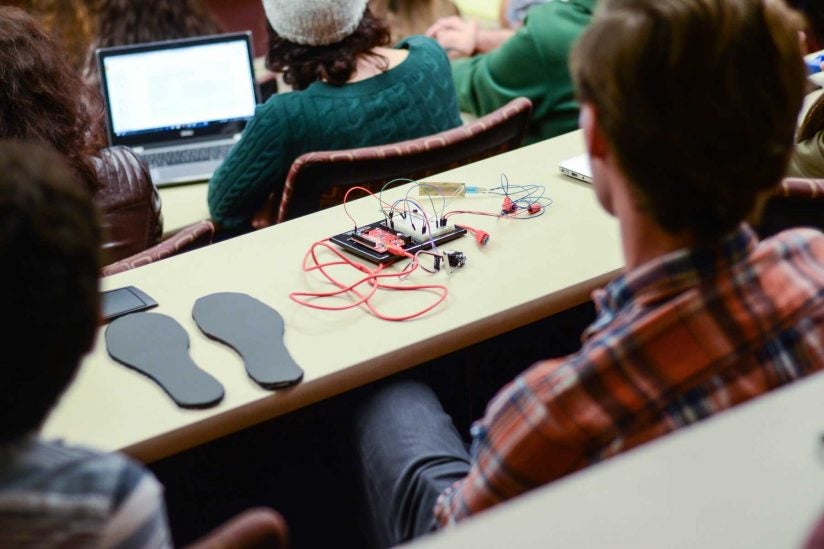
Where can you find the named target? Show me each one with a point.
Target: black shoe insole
(157, 346)
(255, 331)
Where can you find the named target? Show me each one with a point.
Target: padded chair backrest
(241, 15)
(258, 528)
(795, 203)
(816, 536)
(319, 179)
(186, 239)
(129, 203)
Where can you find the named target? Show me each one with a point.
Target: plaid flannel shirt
(676, 340)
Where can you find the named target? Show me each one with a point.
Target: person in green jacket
(351, 91)
(531, 63)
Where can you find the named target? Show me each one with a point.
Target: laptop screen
(178, 90)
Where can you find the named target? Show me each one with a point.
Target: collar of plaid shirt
(670, 274)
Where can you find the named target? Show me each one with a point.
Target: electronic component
(440, 189)
(455, 259)
(415, 225)
(481, 237)
(449, 190)
(380, 239)
(373, 242)
(508, 207)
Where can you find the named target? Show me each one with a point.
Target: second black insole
(157, 346)
(255, 331)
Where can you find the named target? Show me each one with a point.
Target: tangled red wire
(373, 279)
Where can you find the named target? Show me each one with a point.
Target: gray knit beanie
(314, 22)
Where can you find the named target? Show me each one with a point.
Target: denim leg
(409, 452)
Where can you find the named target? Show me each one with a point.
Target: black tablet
(115, 303)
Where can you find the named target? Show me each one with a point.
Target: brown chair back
(241, 15)
(131, 218)
(795, 203)
(186, 239)
(257, 528)
(129, 204)
(816, 536)
(319, 179)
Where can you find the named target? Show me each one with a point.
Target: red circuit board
(372, 242)
(379, 239)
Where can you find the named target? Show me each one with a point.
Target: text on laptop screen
(179, 88)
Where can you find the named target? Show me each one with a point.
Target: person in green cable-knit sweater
(530, 62)
(351, 92)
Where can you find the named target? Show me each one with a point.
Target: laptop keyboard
(186, 156)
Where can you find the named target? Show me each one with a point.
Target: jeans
(408, 452)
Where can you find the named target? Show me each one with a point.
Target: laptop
(577, 167)
(180, 104)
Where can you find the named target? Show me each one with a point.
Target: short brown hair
(699, 101)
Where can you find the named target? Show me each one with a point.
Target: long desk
(530, 270)
(186, 204)
(752, 477)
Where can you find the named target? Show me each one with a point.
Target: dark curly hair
(301, 65)
(49, 262)
(41, 96)
(126, 22)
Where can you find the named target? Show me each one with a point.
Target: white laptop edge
(577, 167)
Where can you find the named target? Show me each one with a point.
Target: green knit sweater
(534, 64)
(414, 99)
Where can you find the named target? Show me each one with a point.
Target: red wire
(367, 191)
(489, 214)
(373, 278)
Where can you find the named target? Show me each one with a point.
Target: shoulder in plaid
(677, 340)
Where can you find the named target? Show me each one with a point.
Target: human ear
(593, 138)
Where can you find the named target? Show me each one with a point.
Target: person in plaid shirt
(688, 113)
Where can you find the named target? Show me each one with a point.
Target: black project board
(370, 241)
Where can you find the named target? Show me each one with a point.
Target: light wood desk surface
(530, 270)
(183, 205)
(752, 477)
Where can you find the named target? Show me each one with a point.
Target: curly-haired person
(43, 99)
(350, 91)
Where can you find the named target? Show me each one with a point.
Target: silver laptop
(181, 104)
(577, 167)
